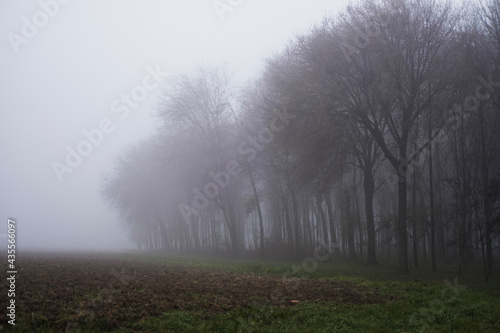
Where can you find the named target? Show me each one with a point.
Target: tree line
(375, 134)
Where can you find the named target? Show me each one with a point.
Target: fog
(62, 80)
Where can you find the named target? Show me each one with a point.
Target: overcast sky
(64, 73)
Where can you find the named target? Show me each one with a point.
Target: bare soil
(69, 289)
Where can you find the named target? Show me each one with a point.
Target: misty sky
(70, 75)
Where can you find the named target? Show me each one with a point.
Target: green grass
(416, 312)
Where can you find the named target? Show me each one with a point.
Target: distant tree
(201, 102)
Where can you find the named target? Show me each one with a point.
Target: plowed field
(67, 290)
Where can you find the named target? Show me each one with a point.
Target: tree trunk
(358, 216)
(333, 233)
(296, 221)
(414, 220)
(369, 188)
(261, 222)
(486, 199)
(440, 233)
(322, 218)
(350, 226)
(402, 197)
(431, 200)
